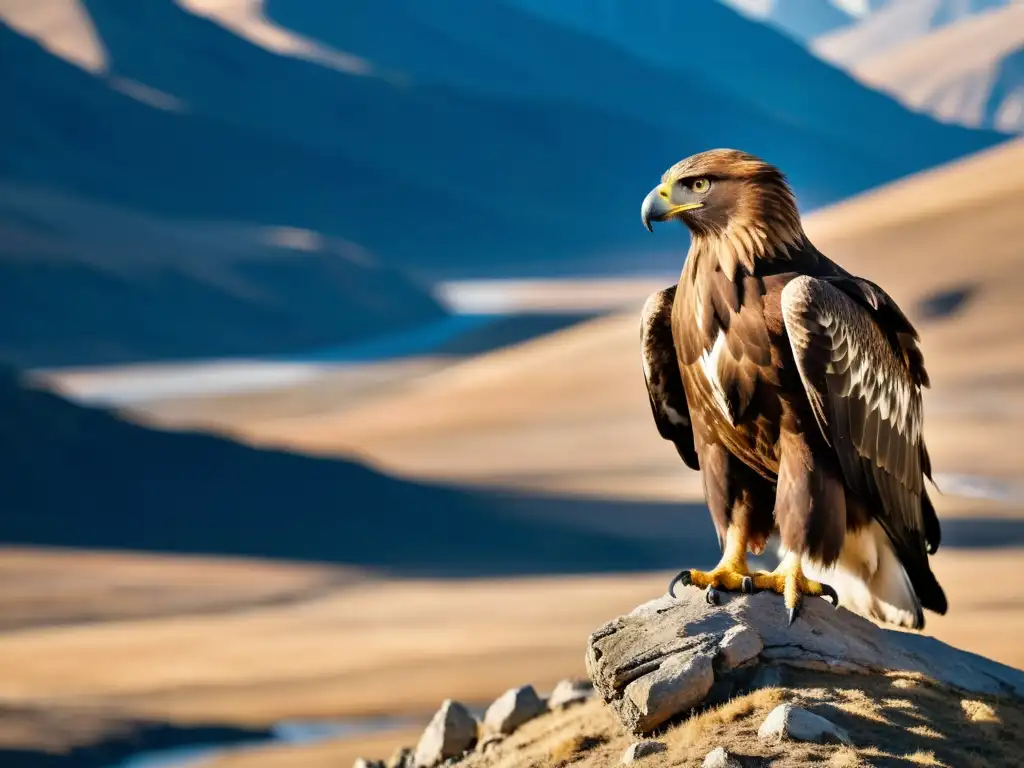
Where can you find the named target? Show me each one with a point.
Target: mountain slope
(83, 477)
(748, 61)
(86, 283)
(970, 73)
(525, 146)
(802, 20)
(896, 23)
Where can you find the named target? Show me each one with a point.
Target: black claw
(828, 592)
(792, 614)
(711, 596)
(683, 578)
(747, 585)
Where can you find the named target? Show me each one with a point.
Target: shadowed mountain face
(91, 284)
(483, 139)
(80, 477)
(83, 477)
(1005, 106)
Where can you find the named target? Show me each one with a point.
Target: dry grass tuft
(979, 711)
(904, 683)
(846, 757)
(700, 727)
(572, 748)
(925, 731)
(897, 704)
(859, 703)
(924, 758)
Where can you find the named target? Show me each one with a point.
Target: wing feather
(661, 374)
(865, 392)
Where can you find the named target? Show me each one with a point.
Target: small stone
(512, 709)
(450, 733)
(641, 749)
(739, 645)
(789, 722)
(402, 758)
(362, 762)
(569, 692)
(719, 758)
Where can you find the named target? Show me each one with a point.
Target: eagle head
(726, 193)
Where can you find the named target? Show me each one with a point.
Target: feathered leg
(810, 510)
(740, 502)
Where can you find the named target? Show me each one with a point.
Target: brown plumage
(795, 388)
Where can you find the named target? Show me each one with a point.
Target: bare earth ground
(563, 413)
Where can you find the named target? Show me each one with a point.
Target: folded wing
(661, 373)
(862, 371)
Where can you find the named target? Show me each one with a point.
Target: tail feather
(871, 581)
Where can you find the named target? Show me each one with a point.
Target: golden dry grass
(924, 725)
(388, 646)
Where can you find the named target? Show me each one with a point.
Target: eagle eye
(701, 185)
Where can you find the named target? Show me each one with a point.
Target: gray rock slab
(788, 721)
(661, 659)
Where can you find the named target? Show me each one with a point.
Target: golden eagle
(794, 387)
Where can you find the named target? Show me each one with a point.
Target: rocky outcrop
(670, 655)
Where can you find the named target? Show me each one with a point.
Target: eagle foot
(729, 578)
(791, 583)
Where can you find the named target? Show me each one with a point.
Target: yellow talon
(789, 581)
(730, 575)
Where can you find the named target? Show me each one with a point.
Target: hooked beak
(658, 206)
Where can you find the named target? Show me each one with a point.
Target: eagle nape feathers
(794, 388)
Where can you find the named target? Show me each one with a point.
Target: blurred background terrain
(319, 390)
